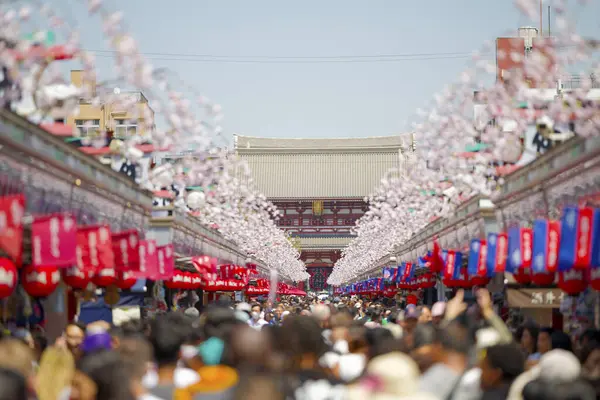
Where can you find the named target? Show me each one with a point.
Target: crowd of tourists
(305, 349)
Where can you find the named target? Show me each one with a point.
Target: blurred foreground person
(168, 333)
(304, 378)
(54, 377)
(15, 355)
(214, 359)
(13, 385)
(500, 366)
(390, 376)
(424, 348)
(101, 376)
(136, 355)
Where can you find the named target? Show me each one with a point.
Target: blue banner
(568, 238)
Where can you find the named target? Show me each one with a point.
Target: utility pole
(541, 18)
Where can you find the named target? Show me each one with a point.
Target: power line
(360, 56)
(366, 59)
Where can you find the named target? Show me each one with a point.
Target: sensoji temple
(320, 185)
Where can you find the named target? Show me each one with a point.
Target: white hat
(395, 376)
(192, 312)
(438, 309)
(559, 366)
(244, 307)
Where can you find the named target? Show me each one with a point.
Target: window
(125, 128)
(87, 127)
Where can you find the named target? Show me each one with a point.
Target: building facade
(320, 185)
(108, 116)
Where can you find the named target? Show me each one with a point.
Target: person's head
(425, 315)
(411, 318)
(501, 365)
(544, 340)
(168, 333)
(561, 340)
(376, 337)
(256, 307)
(269, 317)
(305, 343)
(101, 375)
(423, 350)
(17, 356)
(13, 385)
(590, 361)
(455, 339)
(437, 312)
(529, 338)
(589, 335)
(74, 335)
(136, 354)
(55, 373)
(541, 389)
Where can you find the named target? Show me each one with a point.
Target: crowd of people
(305, 349)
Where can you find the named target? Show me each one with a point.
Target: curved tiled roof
(319, 168)
(244, 144)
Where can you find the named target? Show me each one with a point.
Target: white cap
(438, 309)
(244, 307)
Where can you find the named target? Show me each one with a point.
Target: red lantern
(8, 277)
(572, 282)
(196, 282)
(449, 282)
(76, 278)
(176, 282)
(480, 280)
(543, 278)
(126, 280)
(463, 280)
(105, 277)
(40, 282)
(594, 278)
(523, 276)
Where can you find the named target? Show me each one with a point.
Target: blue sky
(301, 97)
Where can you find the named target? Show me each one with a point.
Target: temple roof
(246, 144)
(318, 168)
(308, 243)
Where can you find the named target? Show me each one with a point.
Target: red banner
(206, 266)
(501, 252)
(148, 264)
(583, 253)
(553, 244)
(94, 248)
(11, 227)
(54, 241)
(125, 247)
(166, 263)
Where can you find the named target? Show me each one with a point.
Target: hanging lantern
(572, 282)
(594, 278)
(176, 282)
(449, 282)
(543, 278)
(76, 278)
(196, 281)
(105, 277)
(125, 280)
(522, 276)
(40, 282)
(8, 277)
(480, 280)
